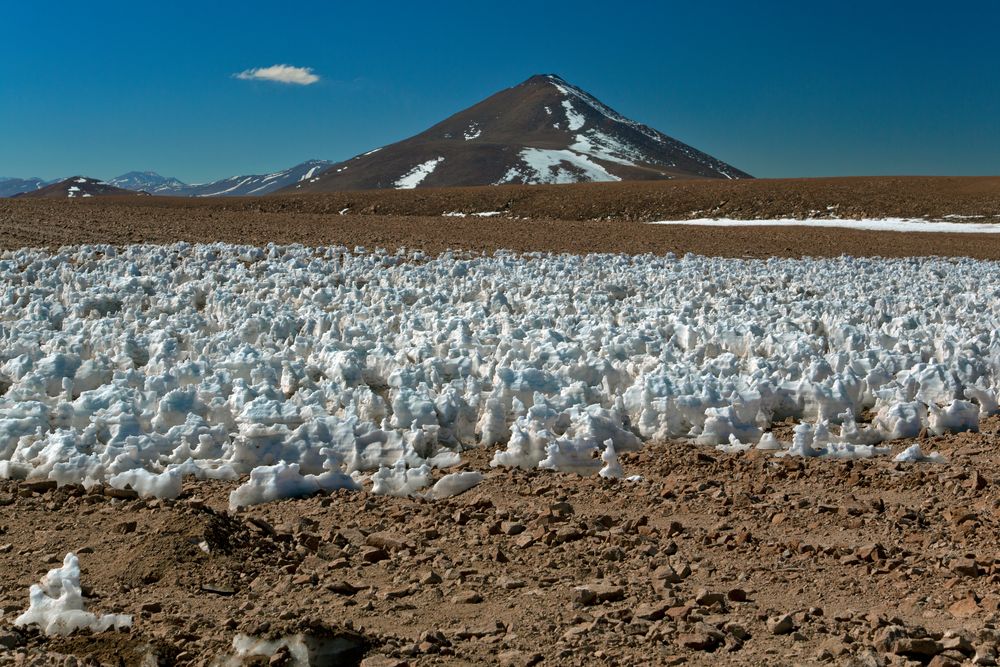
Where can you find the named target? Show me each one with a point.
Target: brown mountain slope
(544, 130)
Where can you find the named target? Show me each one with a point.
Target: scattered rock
(675, 528)
(515, 658)
(430, 578)
(651, 611)
(918, 647)
(871, 552)
(218, 589)
(700, 641)
(387, 541)
(706, 599)
(40, 485)
(512, 528)
(10, 639)
(524, 540)
(467, 597)
(125, 527)
(341, 587)
(964, 608)
(781, 625)
(966, 567)
(379, 660)
(597, 593)
(736, 595)
(121, 494)
(374, 555)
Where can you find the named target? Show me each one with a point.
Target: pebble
(467, 597)
(597, 593)
(374, 555)
(430, 578)
(701, 640)
(781, 625)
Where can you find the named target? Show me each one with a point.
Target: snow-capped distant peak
(239, 185)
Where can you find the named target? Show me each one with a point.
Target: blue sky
(775, 88)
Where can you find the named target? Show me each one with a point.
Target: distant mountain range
(544, 130)
(12, 186)
(79, 187)
(234, 186)
(150, 182)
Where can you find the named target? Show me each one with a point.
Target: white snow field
(871, 224)
(299, 369)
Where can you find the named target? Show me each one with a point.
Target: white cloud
(302, 76)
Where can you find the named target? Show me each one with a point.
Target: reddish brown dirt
(697, 562)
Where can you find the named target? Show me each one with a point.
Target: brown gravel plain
(577, 218)
(709, 559)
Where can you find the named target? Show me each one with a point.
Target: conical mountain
(544, 130)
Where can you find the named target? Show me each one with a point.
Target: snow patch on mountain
(549, 166)
(473, 132)
(416, 176)
(605, 147)
(312, 170)
(228, 190)
(574, 120)
(598, 106)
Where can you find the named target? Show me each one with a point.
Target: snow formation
(56, 605)
(302, 369)
(416, 176)
(908, 225)
(550, 165)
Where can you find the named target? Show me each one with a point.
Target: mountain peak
(544, 130)
(544, 78)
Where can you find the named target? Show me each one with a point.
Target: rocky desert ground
(710, 559)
